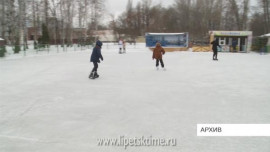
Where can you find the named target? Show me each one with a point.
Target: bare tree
(146, 5)
(245, 14)
(97, 8)
(3, 18)
(46, 10)
(139, 19)
(11, 21)
(53, 9)
(70, 15)
(265, 4)
(34, 19)
(257, 24)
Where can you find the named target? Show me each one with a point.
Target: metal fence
(42, 49)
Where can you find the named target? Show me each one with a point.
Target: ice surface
(48, 104)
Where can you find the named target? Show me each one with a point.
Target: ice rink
(48, 104)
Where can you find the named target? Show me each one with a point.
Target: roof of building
(266, 35)
(164, 33)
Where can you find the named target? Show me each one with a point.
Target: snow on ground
(48, 104)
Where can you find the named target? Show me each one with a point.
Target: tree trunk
(3, 20)
(46, 8)
(245, 14)
(235, 11)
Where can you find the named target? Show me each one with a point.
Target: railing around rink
(45, 49)
(41, 49)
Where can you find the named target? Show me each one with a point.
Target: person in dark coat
(234, 44)
(157, 54)
(215, 49)
(96, 55)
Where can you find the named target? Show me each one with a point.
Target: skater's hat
(99, 43)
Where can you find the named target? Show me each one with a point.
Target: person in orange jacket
(157, 54)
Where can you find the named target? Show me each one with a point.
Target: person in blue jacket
(96, 55)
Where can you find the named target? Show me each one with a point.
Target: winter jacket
(158, 52)
(120, 43)
(96, 54)
(234, 43)
(215, 45)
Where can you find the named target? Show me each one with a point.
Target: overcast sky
(116, 7)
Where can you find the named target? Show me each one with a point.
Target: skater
(124, 46)
(157, 54)
(215, 49)
(134, 43)
(120, 43)
(96, 55)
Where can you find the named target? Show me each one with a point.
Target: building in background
(267, 47)
(32, 31)
(79, 35)
(2, 42)
(227, 39)
(104, 35)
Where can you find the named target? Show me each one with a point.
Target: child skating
(120, 44)
(96, 55)
(157, 54)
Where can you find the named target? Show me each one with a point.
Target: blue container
(167, 39)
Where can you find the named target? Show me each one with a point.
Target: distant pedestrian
(234, 44)
(158, 52)
(120, 44)
(95, 56)
(124, 46)
(215, 49)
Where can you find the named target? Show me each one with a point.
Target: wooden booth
(233, 41)
(230, 41)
